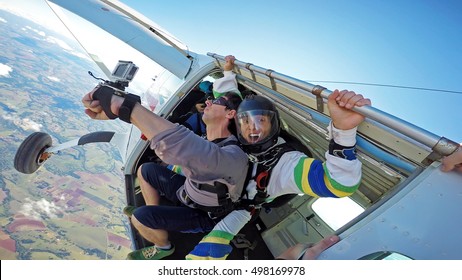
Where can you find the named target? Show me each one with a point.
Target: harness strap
(220, 189)
(264, 170)
(262, 177)
(225, 203)
(252, 205)
(215, 212)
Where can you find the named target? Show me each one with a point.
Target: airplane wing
(110, 31)
(130, 27)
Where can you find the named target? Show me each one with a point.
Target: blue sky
(396, 42)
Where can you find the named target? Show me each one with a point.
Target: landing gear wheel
(30, 155)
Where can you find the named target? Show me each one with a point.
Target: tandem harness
(265, 164)
(221, 190)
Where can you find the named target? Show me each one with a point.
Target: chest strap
(221, 190)
(265, 162)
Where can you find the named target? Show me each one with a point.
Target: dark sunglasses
(220, 101)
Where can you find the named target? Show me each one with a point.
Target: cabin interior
(388, 161)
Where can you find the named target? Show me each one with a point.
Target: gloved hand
(214, 246)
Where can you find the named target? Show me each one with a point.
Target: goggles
(220, 101)
(256, 126)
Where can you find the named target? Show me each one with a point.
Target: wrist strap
(127, 106)
(104, 95)
(340, 151)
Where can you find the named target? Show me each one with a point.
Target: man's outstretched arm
(149, 123)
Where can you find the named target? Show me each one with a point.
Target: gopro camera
(124, 71)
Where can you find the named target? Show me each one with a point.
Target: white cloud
(43, 16)
(66, 47)
(36, 11)
(25, 124)
(3, 20)
(28, 124)
(13, 10)
(41, 33)
(5, 70)
(81, 55)
(54, 79)
(59, 42)
(62, 44)
(41, 209)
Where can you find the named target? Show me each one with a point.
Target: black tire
(27, 159)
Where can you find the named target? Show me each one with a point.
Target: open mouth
(254, 137)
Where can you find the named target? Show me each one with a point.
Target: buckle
(252, 158)
(262, 180)
(223, 200)
(211, 215)
(186, 198)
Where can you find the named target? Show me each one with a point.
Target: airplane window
(328, 208)
(162, 89)
(396, 256)
(385, 255)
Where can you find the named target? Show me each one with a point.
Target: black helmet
(257, 123)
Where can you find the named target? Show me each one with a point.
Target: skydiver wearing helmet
(258, 124)
(279, 170)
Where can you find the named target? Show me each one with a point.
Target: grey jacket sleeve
(200, 159)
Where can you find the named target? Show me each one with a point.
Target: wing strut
(439, 145)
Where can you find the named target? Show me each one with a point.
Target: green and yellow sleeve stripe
(312, 178)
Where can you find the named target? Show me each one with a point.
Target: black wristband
(104, 95)
(340, 151)
(127, 106)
